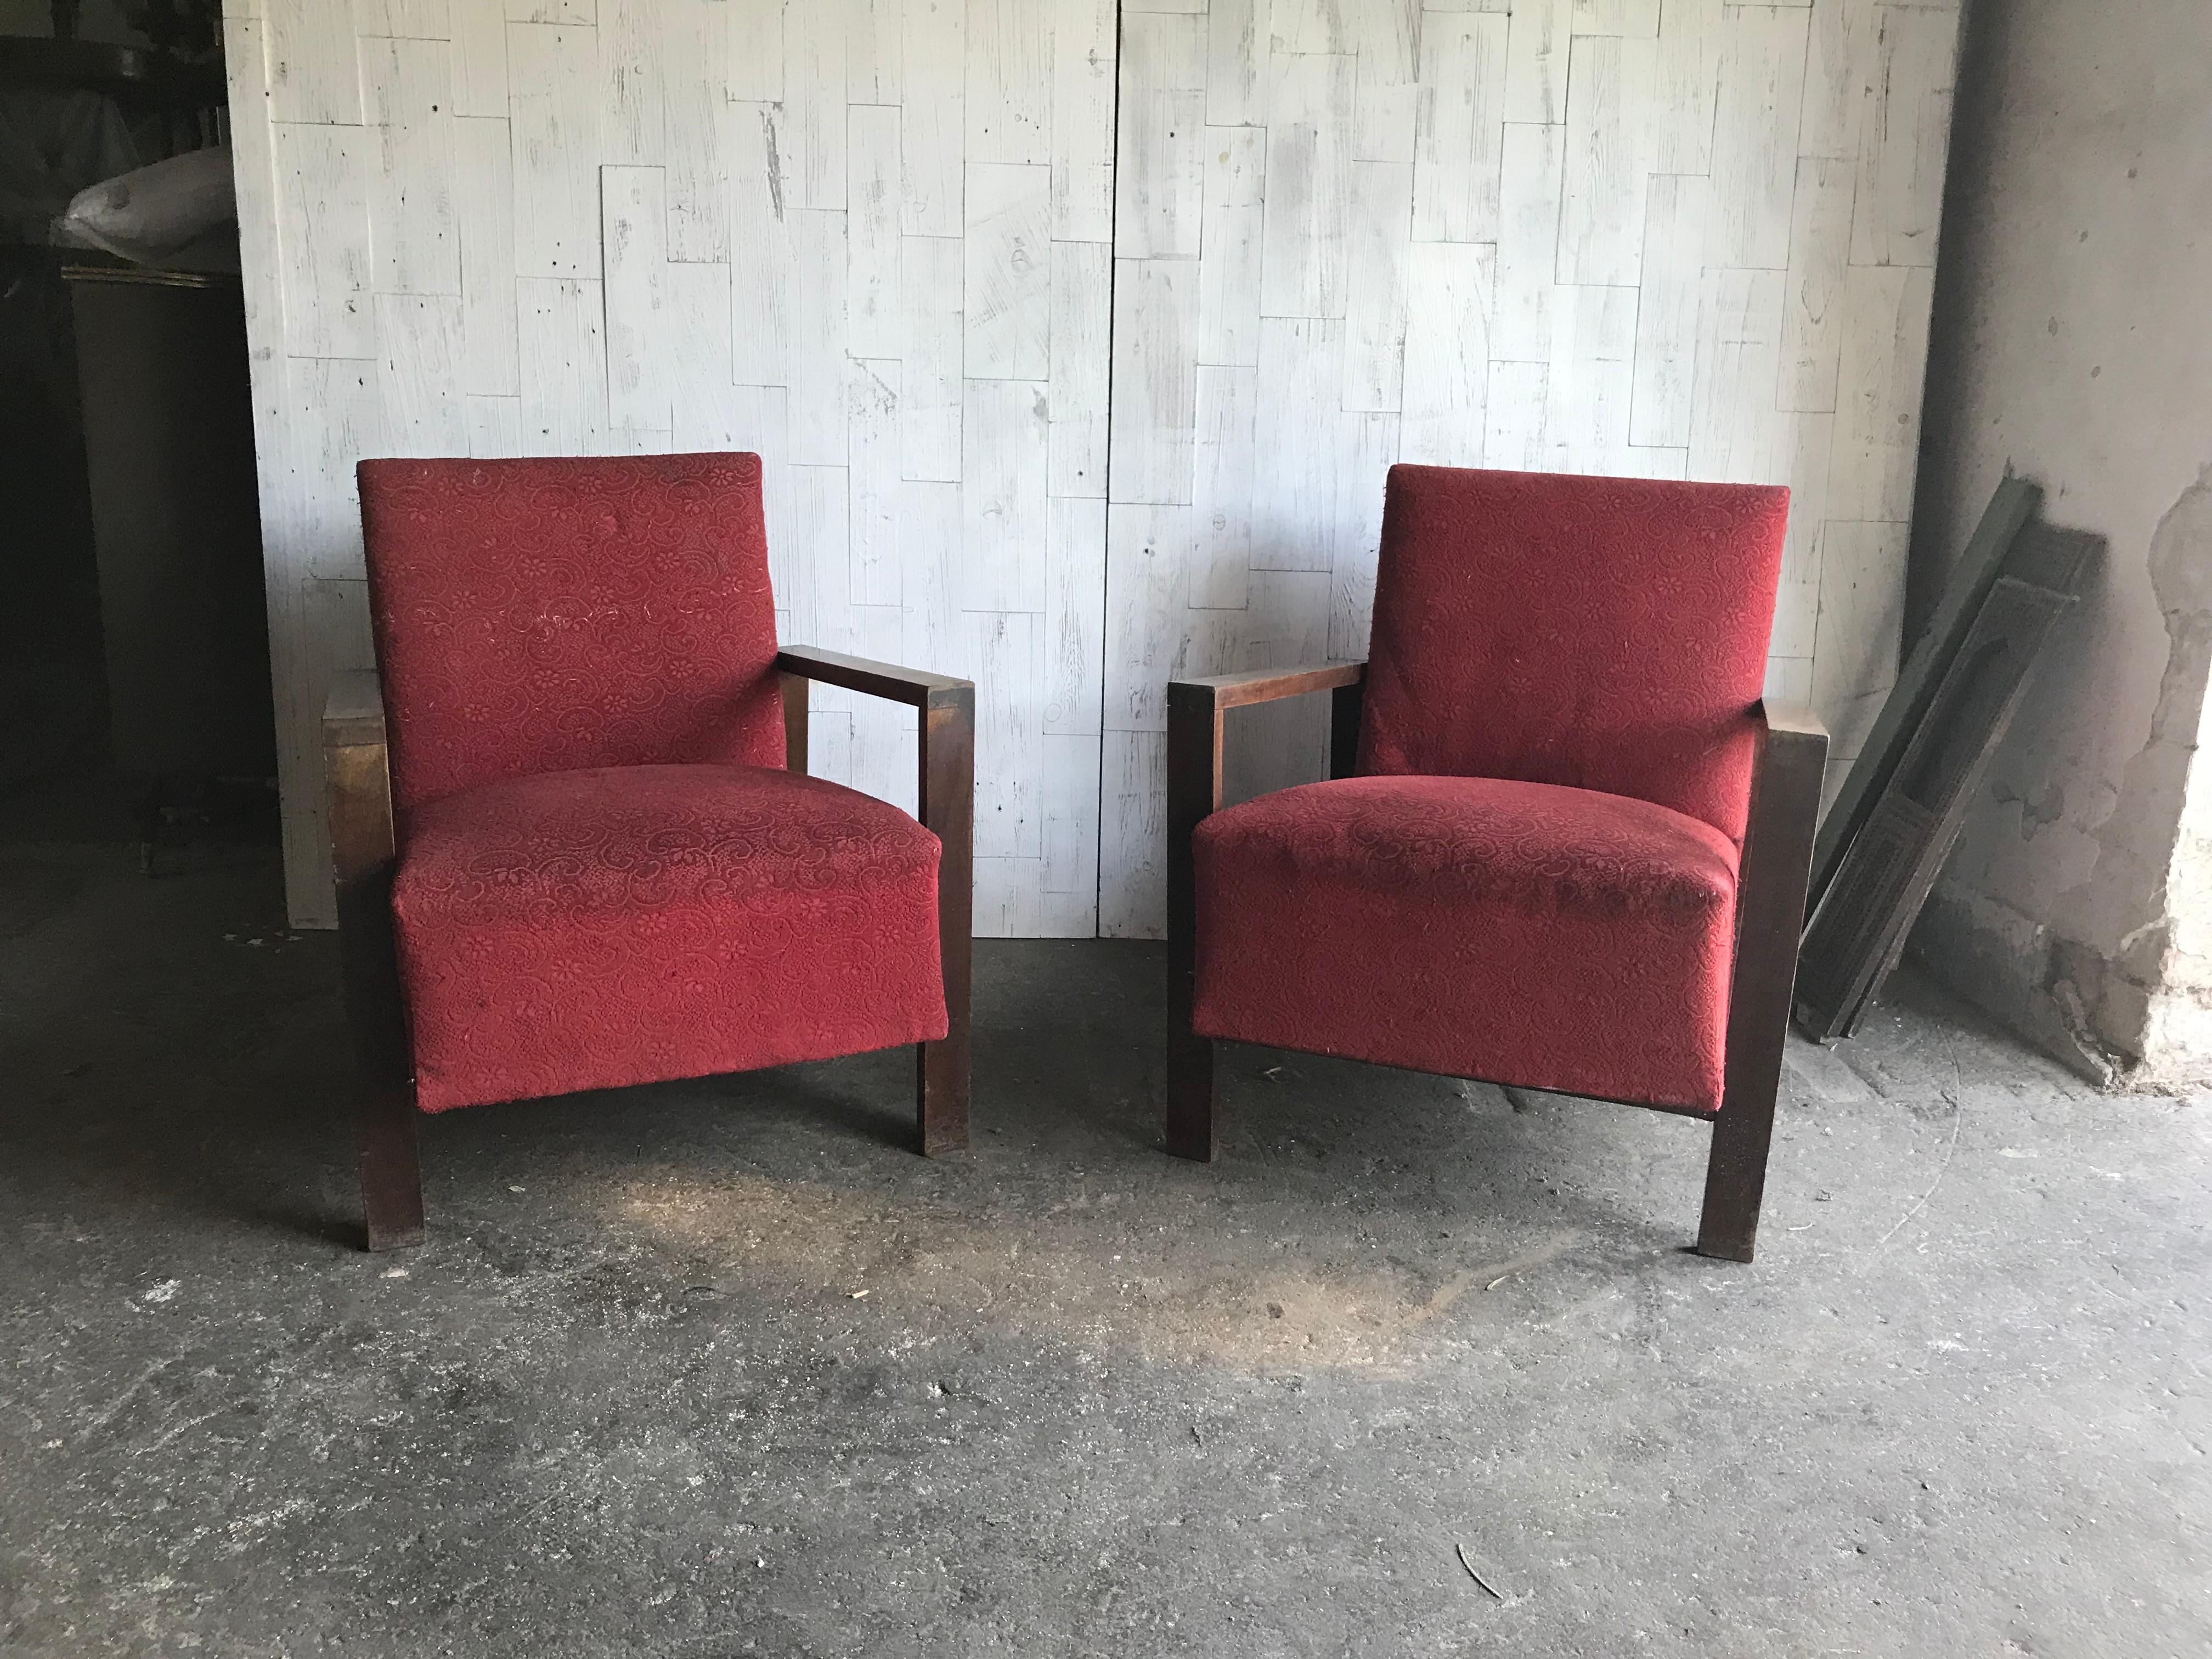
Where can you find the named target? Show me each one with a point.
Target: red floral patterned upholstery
(603, 876)
(1533, 882)
(1600, 633)
(582, 930)
(1554, 938)
(538, 615)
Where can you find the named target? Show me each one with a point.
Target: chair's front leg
(1194, 722)
(948, 811)
(1778, 858)
(384, 1103)
(360, 796)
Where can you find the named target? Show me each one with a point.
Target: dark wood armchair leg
(1190, 1095)
(946, 707)
(384, 1086)
(1736, 1180)
(948, 809)
(357, 778)
(1194, 734)
(1778, 858)
(390, 1170)
(941, 1096)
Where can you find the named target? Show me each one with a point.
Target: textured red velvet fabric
(539, 616)
(587, 929)
(1520, 933)
(603, 876)
(1533, 882)
(1605, 633)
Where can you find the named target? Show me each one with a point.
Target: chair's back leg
(1194, 732)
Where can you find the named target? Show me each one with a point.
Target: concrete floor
(716, 1369)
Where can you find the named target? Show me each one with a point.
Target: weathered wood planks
(1680, 239)
(1063, 405)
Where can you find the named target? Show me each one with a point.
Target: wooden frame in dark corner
(1907, 804)
(1778, 849)
(2015, 504)
(357, 775)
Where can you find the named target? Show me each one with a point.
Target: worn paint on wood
(1677, 240)
(870, 240)
(1068, 406)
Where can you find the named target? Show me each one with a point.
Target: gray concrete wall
(2073, 343)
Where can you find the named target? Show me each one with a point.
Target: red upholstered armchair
(1565, 847)
(576, 845)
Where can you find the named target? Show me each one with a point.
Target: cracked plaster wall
(2073, 343)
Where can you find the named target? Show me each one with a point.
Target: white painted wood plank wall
(869, 238)
(902, 249)
(1663, 238)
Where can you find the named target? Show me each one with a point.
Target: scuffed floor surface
(718, 1369)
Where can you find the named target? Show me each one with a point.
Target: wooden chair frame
(358, 777)
(1778, 855)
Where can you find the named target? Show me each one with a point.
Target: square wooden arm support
(911, 686)
(1792, 722)
(1771, 885)
(947, 796)
(1196, 708)
(357, 782)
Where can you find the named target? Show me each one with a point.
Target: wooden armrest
(1790, 720)
(911, 686)
(1266, 685)
(1777, 840)
(354, 712)
(356, 780)
(946, 795)
(948, 731)
(1772, 880)
(357, 796)
(1197, 723)
(1196, 708)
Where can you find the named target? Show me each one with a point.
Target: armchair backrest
(1606, 634)
(537, 616)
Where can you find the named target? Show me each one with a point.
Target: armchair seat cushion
(1524, 933)
(620, 925)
